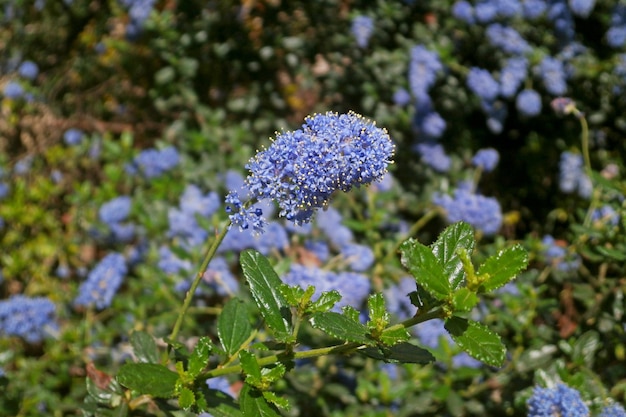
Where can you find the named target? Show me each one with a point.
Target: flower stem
(203, 266)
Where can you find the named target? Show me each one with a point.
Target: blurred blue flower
(102, 282)
(463, 10)
(359, 257)
(193, 201)
(362, 29)
(572, 177)
(329, 222)
(397, 298)
(483, 213)
(423, 68)
(13, 90)
(487, 159)
(220, 384)
(73, 137)
(507, 39)
(23, 165)
(154, 162)
(605, 215)
(485, 11)
(512, 75)
(557, 255)
(219, 277)
(534, 9)
(559, 13)
(401, 97)
(613, 410)
(32, 319)
(616, 36)
(509, 8)
(581, 8)
(552, 73)
(28, 70)
(170, 263)
(558, 401)
(302, 169)
(318, 248)
(4, 190)
(482, 83)
(115, 210)
(528, 103)
(433, 155)
(432, 126)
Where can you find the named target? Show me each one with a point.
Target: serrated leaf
(585, 348)
(378, 315)
(273, 398)
(218, 403)
(265, 285)
(464, 299)
(144, 347)
(199, 358)
(428, 272)
(403, 352)
(341, 327)
(233, 326)
(394, 336)
(458, 235)
(148, 378)
(293, 294)
(250, 367)
(325, 302)
(501, 268)
(274, 373)
(186, 398)
(477, 340)
(253, 404)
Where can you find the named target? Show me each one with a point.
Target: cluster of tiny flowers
(154, 162)
(560, 401)
(242, 216)
(113, 213)
(572, 177)
(423, 68)
(31, 319)
(28, 70)
(302, 169)
(102, 282)
(487, 159)
(183, 223)
(13, 90)
(138, 11)
(482, 83)
(72, 137)
(613, 410)
(528, 103)
(362, 29)
(558, 256)
(605, 215)
(616, 35)
(483, 213)
(507, 39)
(434, 156)
(512, 75)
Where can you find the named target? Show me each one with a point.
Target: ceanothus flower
(487, 159)
(302, 169)
(528, 102)
(362, 28)
(102, 282)
(558, 401)
(32, 319)
(613, 410)
(481, 212)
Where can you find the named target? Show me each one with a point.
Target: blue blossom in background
(581, 8)
(496, 115)
(616, 34)
(397, 298)
(4, 190)
(115, 210)
(560, 15)
(483, 213)
(605, 215)
(552, 73)
(509, 8)
(485, 11)
(153, 163)
(219, 277)
(560, 401)
(28, 70)
(102, 282)
(507, 39)
(482, 83)
(359, 257)
(430, 333)
(512, 75)
(302, 169)
(23, 165)
(572, 177)
(32, 319)
(170, 263)
(13, 90)
(329, 222)
(487, 159)
(533, 9)
(528, 103)
(138, 11)
(432, 126)
(362, 29)
(613, 410)
(220, 384)
(557, 255)
(193, 201)
(434, 156)
(423, 68)
(401, 97)
(318, 248)
(73, 137)
(274, 237)
(463, 10)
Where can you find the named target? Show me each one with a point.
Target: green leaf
(186, 398)
(265, 288)
(144, 347)
(477, 340)
(326, 301)
(341, 327)
(585, 348)
(403, 352)
(501, 268)
(148, 378)
(250, 367)
(422, 263)
(273, 398)
(378, 315)
(394, 336)
(464, 299)
(199, 358)
(218, 403)
(254, 404)
(233, 326)
(445, 248)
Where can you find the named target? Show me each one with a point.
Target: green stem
(587, 159)
(189, 295)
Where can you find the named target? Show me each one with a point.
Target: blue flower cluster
(183, 223)
(572, 177)
(153, 163)
(113, 213)
(487, 159)
(613, 410)
(433, 155)
(362, 29)
(73, 137)
(483, 213)
(32, 319)
(138, 11)
(302, 169)
(558, 401)
(558, 256)
(28, 70)
(102, 282)
(605, 215)
(616, 35)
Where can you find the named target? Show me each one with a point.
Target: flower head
(303, 168)
(28, 318)
(558, 401)
(487, 159)
(103, 282)
(362, 28)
